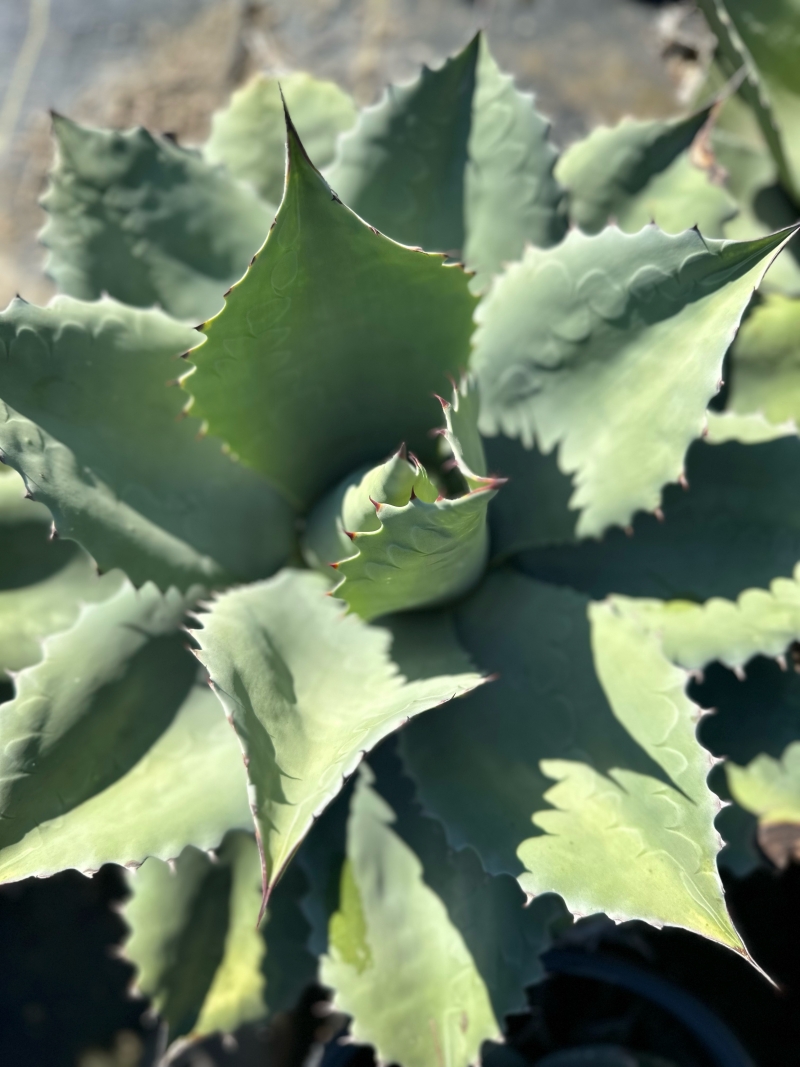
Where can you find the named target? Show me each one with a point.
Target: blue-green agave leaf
(638, 172)
(249, 135)
(510, 194)
(147, 222)
(310, 690)
(402, 167)
(87, 419)
(587, 699)
(610, 348)
(43, 582)
(328, 351)
(110, 750)
(194, 941)
(396, 962)
(765, 362)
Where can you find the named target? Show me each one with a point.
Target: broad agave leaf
(309, 691)
(766, 361)
(611, 347)
(735, 525)
(306, 403)
(394, 954)
(639, 172)
(588, 699)
(402, 167)
(249, 136)
(195, 944)
(764, 40)
(87, 419)
(414, 547)
(146, 221)
(510, 194)
(485, 189)
(110, 751)
(42, 583)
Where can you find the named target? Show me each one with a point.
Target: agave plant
(446, 434)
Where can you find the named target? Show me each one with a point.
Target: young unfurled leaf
(511, 196)
(147, 222)
(194, 941)
(402, 167)
(640, 172)
(110, 752)
(610, 347)
(310, 690)
(394, 954)
(327, 352)
(249, 136)
(588, 699)
(43, 582)
(87, 419)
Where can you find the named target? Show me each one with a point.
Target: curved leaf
(194, 941)
(145, 221)
(310, 690)
(305, 403)
(611, 347)
(249, 135)
(737, 525)
(396, 962)
(43, 583)
(766, 361)
(588, 699)
(110, 752)
(770, 788)
(639, 172)
(510, 195)
(86, 418)
(402, 167)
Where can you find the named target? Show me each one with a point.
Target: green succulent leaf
(764, 41)
(249, 136)
(766, 361)
(87, 419)
(587, 699)
(397, 963)
(639, 172)
(736, 525)
(147, 222)
(110, 751)
(43, 583)
(611, 347)
(327, 352)
(194, 941)
(510, 194)
(309, 691)
(769, 788)
(402, 167)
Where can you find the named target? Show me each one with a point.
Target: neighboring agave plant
(580, 537)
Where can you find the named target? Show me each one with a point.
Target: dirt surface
(168, 64)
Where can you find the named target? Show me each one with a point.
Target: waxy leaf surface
(194, 941)
(766, 361)
(148, 222)
(310, 690)
(402, 167)
(43, 582)
(589, 700)
(610, 348)
(327, 353)
(640, 172)
(110, 751)
(249, 136)
(396, 962)
(88, 420)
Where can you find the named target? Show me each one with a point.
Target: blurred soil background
(168, 64)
